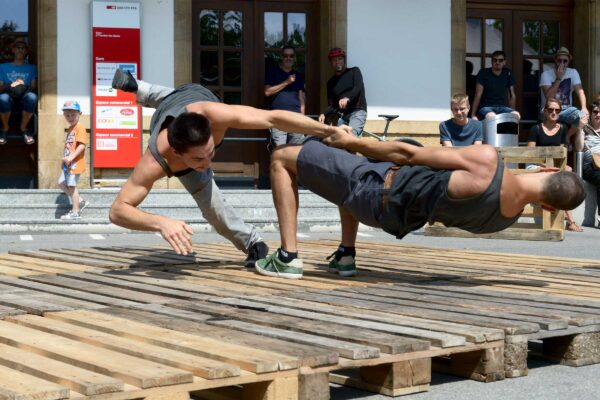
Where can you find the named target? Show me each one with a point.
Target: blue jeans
(570, 116)
(495, 109)
(27, 103)
(356, 120)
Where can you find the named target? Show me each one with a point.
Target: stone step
(40, 210)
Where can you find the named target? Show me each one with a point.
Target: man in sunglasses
(493, 86)
(560, 83)
(286, 91)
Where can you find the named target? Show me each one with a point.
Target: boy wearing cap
(73, 162)
(560, 82)
(18, 82)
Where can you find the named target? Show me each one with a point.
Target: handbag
(596, 160)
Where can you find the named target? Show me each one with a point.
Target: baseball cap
(71, 105)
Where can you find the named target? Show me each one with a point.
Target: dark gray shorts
(345, 179)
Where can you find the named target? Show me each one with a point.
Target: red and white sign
(117, 119)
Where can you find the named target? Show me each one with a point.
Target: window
(14, 23)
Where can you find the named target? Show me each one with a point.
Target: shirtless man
(468, 188)
(185, 131)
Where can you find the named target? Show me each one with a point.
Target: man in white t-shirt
(560, 83)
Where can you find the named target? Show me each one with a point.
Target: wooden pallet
(201, 324)
(539, 224)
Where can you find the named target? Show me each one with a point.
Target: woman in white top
(592, 145)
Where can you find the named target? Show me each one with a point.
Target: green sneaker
(273, 266)
(345, 266)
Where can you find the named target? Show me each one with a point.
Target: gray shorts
(68, 178)
(345, 179)
(279, 138)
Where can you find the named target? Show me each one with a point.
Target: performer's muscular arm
(473, 166)
(124, 211)
(223, 116)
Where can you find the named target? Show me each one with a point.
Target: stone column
(50, 126)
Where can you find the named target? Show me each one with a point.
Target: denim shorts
(68, 179)
(347, 180)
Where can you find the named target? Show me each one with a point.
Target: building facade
(413, 56)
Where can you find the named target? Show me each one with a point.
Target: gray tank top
(419, 195)
(172, 106)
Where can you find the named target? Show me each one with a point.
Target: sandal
(573, 227)
(3, 137)
(28, 138)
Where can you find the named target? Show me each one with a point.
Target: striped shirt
(592, 139)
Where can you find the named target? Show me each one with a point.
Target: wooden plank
(8, 311)
(387, 343)
(308, 356)
(65, 266)
(47, 255)
(100, 289)
(548, 319)
(74, 378)
(15, 385)
(39, 303)
(436, 338)
(345, 349)
(252, 360)
(69, 293)
(199, 366)
(508, 325)
(574, 316)
(132, 370)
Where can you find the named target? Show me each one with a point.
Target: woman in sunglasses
(592, 145)
(550, 132)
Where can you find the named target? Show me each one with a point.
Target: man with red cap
(345, 93)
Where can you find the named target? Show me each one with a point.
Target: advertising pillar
(116, 118)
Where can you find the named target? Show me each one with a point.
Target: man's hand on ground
(178, 234)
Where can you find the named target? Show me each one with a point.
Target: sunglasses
(498, 60)
(562, 61)
(553, 110)
(289, 55)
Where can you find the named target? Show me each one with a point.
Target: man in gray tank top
(467, 188)
(186, 129)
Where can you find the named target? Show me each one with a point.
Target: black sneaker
(123, 80)
(257, 251)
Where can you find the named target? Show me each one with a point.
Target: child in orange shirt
(73, 163)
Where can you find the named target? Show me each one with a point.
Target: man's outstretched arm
(223, 116)
(400, 153)
(125, 212)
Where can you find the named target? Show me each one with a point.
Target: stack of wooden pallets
(136, 322)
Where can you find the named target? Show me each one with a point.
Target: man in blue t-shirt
(493, 85)
(460, 130)
(286, 91)
(18, 83)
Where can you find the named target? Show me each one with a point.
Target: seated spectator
(550, 132)
(560, 82)
(460, 130)
(18, 82)
(592, 145)
(493, 85)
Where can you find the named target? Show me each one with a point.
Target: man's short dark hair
(594, 104)
(188, 130)
(288, 47)
(499, 53)
(563, 190)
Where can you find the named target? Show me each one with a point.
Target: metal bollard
(579, 163)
